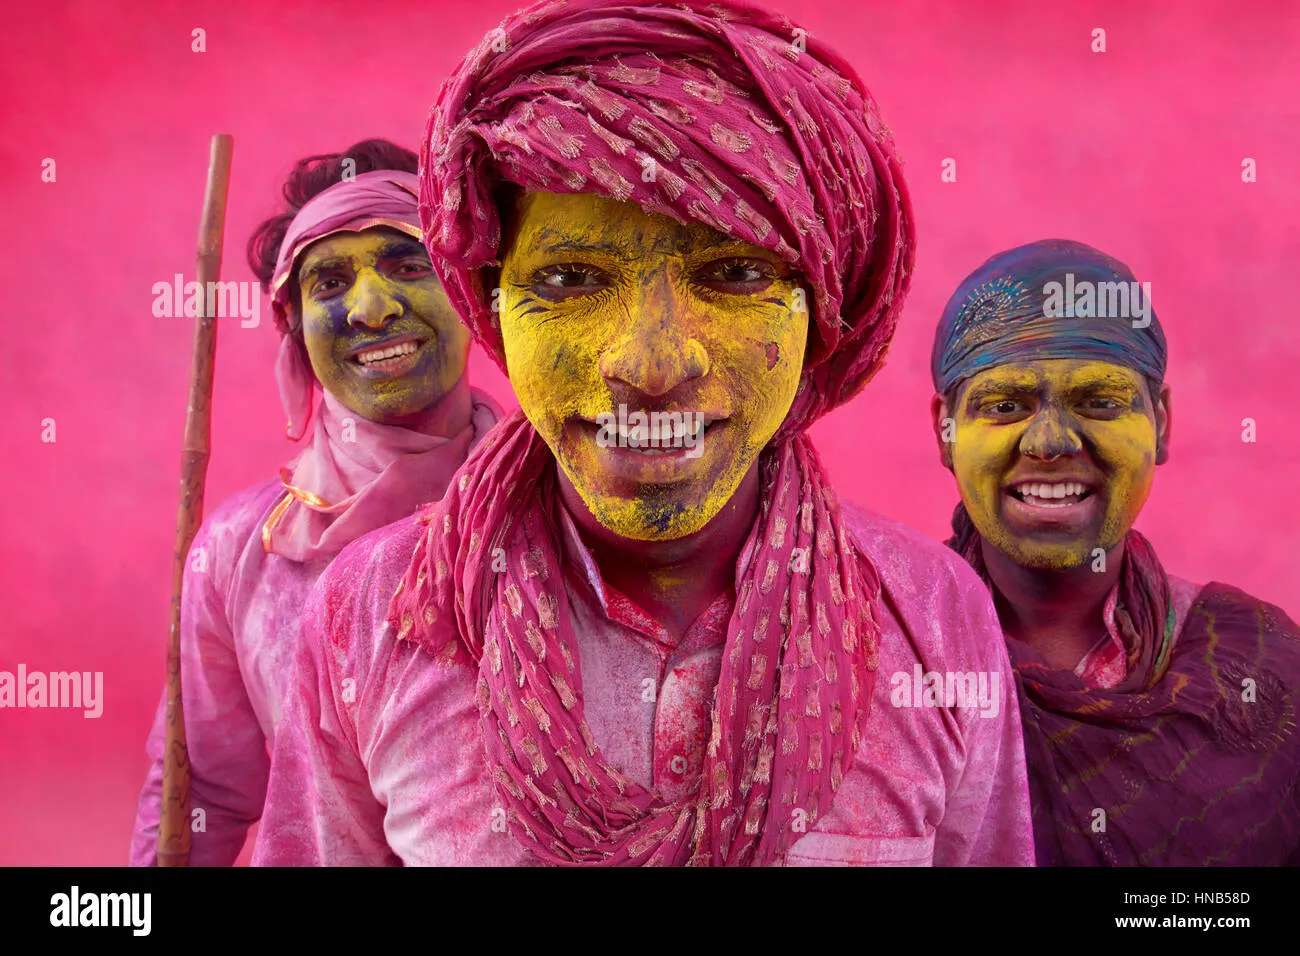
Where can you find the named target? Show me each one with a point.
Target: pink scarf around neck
(357, 475)
(795, 687)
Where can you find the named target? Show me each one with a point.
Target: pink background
(1137, 151)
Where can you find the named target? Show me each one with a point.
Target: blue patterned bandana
(1054, 299)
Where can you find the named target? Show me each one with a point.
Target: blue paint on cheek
(326, 324)
(335, 321)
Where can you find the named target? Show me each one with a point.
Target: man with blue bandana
(1159, 716)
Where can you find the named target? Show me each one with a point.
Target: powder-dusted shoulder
(245, 511)
(1259, 616)
(940, 602)
(943, 749)
(380, 552)
(907, 559)
(231, 528)
(375, 562)
(354, 591)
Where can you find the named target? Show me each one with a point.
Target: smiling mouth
(633, 457)
(663, 438)
(377, 357)
(681, 435)
(1050, 494)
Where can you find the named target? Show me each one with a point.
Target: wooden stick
(174, 827)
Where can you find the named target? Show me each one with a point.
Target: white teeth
(662, 433)
(1051, 492)
(380, 355)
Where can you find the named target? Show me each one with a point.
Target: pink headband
(381, 198)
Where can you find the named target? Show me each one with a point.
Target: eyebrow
(688, 241)
(1106, 381)
(1002, 387)
(396, 249)
(576, 246)
(402, 247)
(322, 265)
(1037, 386)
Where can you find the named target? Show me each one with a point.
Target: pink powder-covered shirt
(240, 610)
(378, 759)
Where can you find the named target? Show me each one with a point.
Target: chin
(411, 406)
(1042, 557)
(649, 517)
(680, 521)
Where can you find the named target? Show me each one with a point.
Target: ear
(939, 418)
(1164, 424)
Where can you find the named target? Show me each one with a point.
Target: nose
(1050, 436)
(373, 303)
(656, 353)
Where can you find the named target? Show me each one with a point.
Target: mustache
(360, 339)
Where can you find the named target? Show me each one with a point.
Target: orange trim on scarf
(306, 497)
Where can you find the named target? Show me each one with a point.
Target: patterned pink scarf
(758, 131)
(796, 677)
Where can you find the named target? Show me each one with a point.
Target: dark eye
(414, 267)
(565, 281)
(739, 276)
(1103, 407)
(327, 285)
(1005, 407)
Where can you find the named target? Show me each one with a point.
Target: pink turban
(747, 125)
(381, 198)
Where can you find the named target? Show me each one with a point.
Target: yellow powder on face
(1018, 417)
(594, 292)
(367, 296)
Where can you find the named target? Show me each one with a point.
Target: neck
(1057, 613)
(447, 417)
(676, 580)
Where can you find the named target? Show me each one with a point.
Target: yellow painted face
(1054, 458)
(380, 332)
(606, 305)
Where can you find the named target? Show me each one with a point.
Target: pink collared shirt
(378, 759)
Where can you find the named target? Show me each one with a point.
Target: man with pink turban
(363, 316)
(641, 629)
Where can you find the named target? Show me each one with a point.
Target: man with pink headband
(363, 316)
(641, 629)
